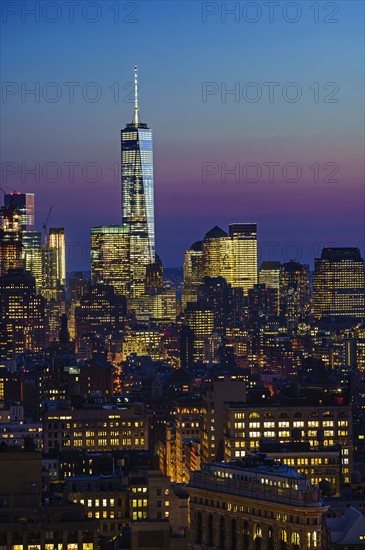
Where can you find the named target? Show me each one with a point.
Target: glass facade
(24, 202)
(57, 242)
(110, 257)
(137, 190)
(138, 197)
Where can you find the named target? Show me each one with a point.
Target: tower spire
(136, 116)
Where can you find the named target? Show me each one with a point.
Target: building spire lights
(136, 115)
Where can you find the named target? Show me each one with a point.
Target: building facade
(339, 283)
(254, 504)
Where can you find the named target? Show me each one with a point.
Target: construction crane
(45, 224)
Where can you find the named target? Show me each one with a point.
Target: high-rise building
(24, 202)
(200, 319)
(101, 313)
(77, 287)
(32, 255)
(269, 275)
(339, 283)
(138, 195)
(57, 242)
(294, 291)
(23, 205)
(232, 256)
(216, 253)
(10, 238)
(244, 255)
(22, 313)
(110, 257)
(49, 288)
(193, 273)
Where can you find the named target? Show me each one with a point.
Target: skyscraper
(138, 195)
(232, 256)
(32, 255)
(338, 283)
(22, 314)
(24, 202)
(31, 240)
(57, 242)
(244, 255)
(193, 273)
(110, 257)
(294, 291)
(269, 275)
(10, 238)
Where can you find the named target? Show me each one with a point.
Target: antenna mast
(136, 116)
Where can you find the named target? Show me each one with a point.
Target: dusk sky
(178, 47)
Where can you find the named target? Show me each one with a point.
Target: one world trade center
(138, 195)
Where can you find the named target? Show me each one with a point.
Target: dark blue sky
(296, 114)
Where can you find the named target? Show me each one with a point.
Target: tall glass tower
(138, 195)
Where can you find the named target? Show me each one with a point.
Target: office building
(193, 273)
(24, 203)
(269, 275)
(10, 238)
(32, 256)
(97, 429)
(110, 257)
(138, 196)
(246, 426)
(294, 292)
(339, 283)
(22, 313)
(57, 243)
(233, 256)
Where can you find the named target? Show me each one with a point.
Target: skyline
(187, 127)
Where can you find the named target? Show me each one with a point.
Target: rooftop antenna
(136, 117)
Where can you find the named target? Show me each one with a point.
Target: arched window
(222, 532)
(254, 415)
(312, 540)
(245, 536)
(283, 415)
(234, 535)
(283, 539)
(295, 540)
(298, 415)
(313, 414)
(257, 536)
(199, 528)
(210, 531)
(269, 415)
(270, 539)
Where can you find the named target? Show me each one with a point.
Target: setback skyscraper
(138, 195)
